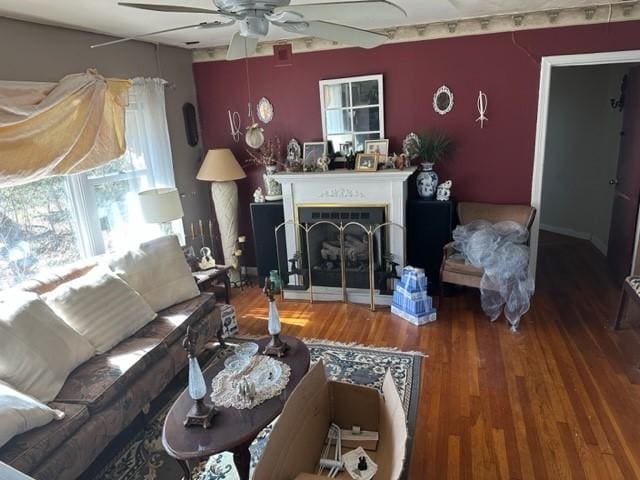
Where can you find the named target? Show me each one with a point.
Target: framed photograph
(312, 152)
(379, 147)
(366, 162)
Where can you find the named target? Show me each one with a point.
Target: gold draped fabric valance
(60, 128)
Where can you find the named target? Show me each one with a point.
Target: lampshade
(160, 205)
(220, 165)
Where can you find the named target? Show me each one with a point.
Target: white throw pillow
(158, 271)
(38, 350)
(101, 307)
(20, 413)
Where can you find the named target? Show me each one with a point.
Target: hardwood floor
(558, 399)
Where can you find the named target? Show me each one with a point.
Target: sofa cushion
(157, 270)
(29, 449)
(101, 307)
(99, 381)
(38, 350)
(71, 458)
(171, 323)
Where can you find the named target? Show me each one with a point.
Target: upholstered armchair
(455, 270)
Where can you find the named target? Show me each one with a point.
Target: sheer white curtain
(105, 201)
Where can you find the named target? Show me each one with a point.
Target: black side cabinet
(429, 227)
(265, 217)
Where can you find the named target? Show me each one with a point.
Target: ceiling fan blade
(168, 8)
(175, 29)
(241, 47)
(338, 33)
(347, 11)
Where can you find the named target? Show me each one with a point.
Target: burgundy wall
(493, 164)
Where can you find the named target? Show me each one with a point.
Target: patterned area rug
(143, 457)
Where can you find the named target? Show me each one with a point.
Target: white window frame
(351, 107)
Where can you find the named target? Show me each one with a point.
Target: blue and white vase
(427, 181)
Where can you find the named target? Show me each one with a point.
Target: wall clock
(265, 110)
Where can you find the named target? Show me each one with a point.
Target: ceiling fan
(255, 16)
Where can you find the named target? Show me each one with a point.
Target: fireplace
(342, 231)
(317, 209)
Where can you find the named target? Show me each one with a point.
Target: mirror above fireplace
(352, 111)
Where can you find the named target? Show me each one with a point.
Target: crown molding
(617, 12)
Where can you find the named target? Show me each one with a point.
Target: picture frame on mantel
(312, 152)
(367, 162)
(379, 147)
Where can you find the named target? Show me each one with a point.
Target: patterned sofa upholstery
(102, 396)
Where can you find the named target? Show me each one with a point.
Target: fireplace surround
(325, 202)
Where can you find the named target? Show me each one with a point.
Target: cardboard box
(296, 442)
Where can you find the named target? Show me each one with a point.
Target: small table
(232, 430)
(207, 279)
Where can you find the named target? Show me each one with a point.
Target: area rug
(143, 457)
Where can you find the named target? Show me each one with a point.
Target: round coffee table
(232, 429)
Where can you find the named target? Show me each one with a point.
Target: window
(352, 111)
(37, 229)
(61, 219)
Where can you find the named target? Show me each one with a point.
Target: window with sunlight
(60, 219)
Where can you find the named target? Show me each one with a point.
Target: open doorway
(586, 181)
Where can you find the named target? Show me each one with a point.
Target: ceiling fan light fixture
(253, 27)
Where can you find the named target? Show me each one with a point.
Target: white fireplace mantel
(386, 188)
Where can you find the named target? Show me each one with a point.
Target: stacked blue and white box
(410, 299)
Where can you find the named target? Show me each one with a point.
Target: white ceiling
(105, 16)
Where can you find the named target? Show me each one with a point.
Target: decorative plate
(265, 110)
(410, 145)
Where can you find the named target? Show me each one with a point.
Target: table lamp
(221, 168)
(161, 205)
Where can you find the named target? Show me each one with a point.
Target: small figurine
(399, 161)
(323, 163)
(206, 260)
(443, 193)
(387, 162)
(362, 464)
(258, 196)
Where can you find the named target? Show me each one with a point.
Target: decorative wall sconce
(619, 102)
(517, 20)
(452, 26)
(482, 108)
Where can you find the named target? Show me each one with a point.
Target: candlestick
(211, 233)
(193, 233)
(201, 232)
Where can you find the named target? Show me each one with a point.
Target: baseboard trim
(599, 244)
(569, 232)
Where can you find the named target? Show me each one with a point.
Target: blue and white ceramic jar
(427, 181)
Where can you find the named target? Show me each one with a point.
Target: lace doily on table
(270, 377)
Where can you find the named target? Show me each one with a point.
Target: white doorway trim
(583, 59)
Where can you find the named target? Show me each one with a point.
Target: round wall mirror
(443, 100)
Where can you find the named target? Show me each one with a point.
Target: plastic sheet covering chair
(455, 270)
(630, 293)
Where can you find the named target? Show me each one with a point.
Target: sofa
(103, 395)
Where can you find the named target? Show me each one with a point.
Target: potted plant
(432, 147)
(269, 156)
